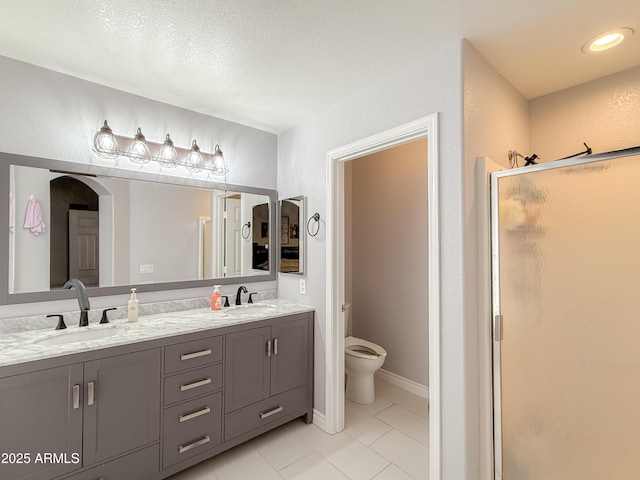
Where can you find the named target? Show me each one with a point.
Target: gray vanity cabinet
(266, 374)
(192, 415)
(125, 411)
(83, 414)
(37, 417)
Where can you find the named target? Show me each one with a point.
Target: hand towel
(33, 218)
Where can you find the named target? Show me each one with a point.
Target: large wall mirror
(292, 236)
(114, 229)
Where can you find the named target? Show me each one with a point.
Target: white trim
(404, 383)
(319, 420)
(484, 166)
(334, 318)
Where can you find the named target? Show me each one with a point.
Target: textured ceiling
(273, 63)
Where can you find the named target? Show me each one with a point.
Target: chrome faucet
(241, 289)
(83, 300)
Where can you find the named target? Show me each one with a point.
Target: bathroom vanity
(150, 399)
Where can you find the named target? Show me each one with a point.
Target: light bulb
(194, 162)
(168, 155)
(139, 150)
(105, 144)
(607, 40)
(217, 165)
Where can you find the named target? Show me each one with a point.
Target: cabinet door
(124, 410)
(290, 359)
(246, 368)
(37, 420)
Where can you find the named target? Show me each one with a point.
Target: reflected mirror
(291, 238)
(111, 231)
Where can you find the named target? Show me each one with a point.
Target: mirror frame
(8, 159)
(302, 235)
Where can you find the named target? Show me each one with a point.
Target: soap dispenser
(133, 307)
(216, 298)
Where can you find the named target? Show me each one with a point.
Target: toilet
(361, 361)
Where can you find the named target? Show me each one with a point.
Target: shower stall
(566, 306)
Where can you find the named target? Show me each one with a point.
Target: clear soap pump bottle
(133, 307)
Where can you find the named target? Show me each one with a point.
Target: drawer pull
(189, 416)
(197, 443)
(90, 393)
(76, 397)
(271, 412)
(189, 356)
(197, 384)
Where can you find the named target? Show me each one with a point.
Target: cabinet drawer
(141, 465)
(264, 412)
(188, 385)
(191, 428)
(192, 354)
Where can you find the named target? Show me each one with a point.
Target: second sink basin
(84, 334)
(251, 309)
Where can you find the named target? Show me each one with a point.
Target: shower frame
(496, 315)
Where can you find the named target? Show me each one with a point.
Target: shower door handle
(497, 328)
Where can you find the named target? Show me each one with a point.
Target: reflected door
(84, 230)
(566, 249)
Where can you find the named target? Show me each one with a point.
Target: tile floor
(388, 440)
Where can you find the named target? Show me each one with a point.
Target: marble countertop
(37, 344)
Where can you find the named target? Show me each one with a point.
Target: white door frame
(426, 127)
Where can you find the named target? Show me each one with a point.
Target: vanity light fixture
(139, 150)
(168, 155)
(218, 164)
(607, 40)
(105, 144)
(194, 161)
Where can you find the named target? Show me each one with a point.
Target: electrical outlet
(303, 286)
(146, 268)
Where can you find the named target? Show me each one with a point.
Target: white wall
(389, 259)
(31, 252)
(432, 85)
(496, 120)
(163, 231)
(604, 113)
(50, 115)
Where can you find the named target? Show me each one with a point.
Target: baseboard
(319, 420)
(405, 383)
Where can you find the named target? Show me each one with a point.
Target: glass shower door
(566, 283)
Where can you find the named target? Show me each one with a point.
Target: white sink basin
(83, 334)
(251, 309)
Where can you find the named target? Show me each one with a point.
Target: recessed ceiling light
(606, 40)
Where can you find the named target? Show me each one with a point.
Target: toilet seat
(360, 348)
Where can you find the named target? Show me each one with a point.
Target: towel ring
(248, 227)
(316, 217)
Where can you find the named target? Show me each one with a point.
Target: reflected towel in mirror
(33, 218)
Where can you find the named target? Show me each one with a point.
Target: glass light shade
(168, 155)
(139, 150)
(217, 165)
(105, 144)
(194, 162)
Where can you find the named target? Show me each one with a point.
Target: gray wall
(430, 86)
(388, 263)
(50, 115)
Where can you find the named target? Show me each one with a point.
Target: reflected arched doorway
(74, 232)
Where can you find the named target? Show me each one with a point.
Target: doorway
(335, 276)
(74, 232)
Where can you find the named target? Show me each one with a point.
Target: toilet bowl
(362, 360)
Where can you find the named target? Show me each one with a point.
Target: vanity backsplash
(41, 322)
